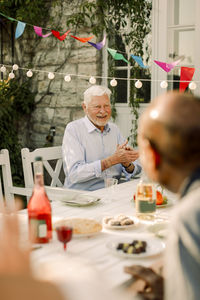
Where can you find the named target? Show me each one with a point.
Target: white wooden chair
(48, 154)
(6, 178)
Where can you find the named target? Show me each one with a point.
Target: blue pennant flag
(138, 60)
(19, 29)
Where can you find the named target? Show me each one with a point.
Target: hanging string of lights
(91, 78)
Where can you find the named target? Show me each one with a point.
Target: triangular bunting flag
(38, 31)
(58, 36)
(82, 40)
(19, 29)
(117, 56)
(186, 75)
(99, 45)
(165, 66)
(138, 60)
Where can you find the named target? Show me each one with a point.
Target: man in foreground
(93, 148)
(169, 143)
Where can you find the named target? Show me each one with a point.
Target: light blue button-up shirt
(83, 148)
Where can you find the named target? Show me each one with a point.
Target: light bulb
(138, 84)
(29, 73)
(192, 86)
(113, 82)
(11, 75)
(67, 78)
(92, 80)
(51, 75)
(163, 84)
(3, 69)
(15, 67)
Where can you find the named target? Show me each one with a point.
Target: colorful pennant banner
(186, 72)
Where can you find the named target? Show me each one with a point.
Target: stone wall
(57, 102)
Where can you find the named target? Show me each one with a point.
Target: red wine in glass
(64, 234)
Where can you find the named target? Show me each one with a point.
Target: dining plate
(79, 199)
(154, 247)
(118, 227)
(81, 227)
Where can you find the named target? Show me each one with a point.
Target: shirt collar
(90, 126)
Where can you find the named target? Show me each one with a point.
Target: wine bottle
(39, 208)
(145, 199)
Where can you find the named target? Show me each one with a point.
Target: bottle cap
(38, 158)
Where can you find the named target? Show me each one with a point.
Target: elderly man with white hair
(93, 147)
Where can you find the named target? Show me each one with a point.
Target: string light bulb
(11, 75)
(67, 78)
(51, 75)
(3, 69)
(15, 67)
(138, 84)
(92, 80)
(164, 84)
(192, 86)
(113, 82)
(29, 73)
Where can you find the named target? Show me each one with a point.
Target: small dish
(121, 227)
(80, 200)
(154, 247)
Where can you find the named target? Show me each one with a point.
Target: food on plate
(80, 225)
(135, 247)
(160, 199)
(119, 220)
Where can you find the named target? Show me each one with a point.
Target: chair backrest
(7, 178)
(48, 154)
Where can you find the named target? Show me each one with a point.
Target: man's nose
(102, 109)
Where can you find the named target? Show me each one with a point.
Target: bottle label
(146, 206)
(38, 228)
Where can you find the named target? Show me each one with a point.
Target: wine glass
(64, 234)
(110, 183)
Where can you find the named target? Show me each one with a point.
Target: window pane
(121, 88)
(184, 45)
(184, 12)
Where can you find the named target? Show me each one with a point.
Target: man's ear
(156, 158)
(83, 106)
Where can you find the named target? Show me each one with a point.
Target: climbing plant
(16, 105)
(129, 19)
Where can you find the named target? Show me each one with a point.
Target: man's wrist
(130, 168)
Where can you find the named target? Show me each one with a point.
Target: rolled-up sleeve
(137, 170)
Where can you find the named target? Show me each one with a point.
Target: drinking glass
(64, 235)
(110, 182)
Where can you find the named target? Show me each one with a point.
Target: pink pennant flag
(186, 75)
(38, 31)
(165, 66)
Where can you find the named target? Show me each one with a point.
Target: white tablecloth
(93, 250)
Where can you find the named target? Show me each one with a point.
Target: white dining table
(93, 249)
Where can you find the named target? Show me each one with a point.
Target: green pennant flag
(9, 18)
(117, 56)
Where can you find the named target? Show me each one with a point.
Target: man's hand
(152, 288)
(125, 154)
